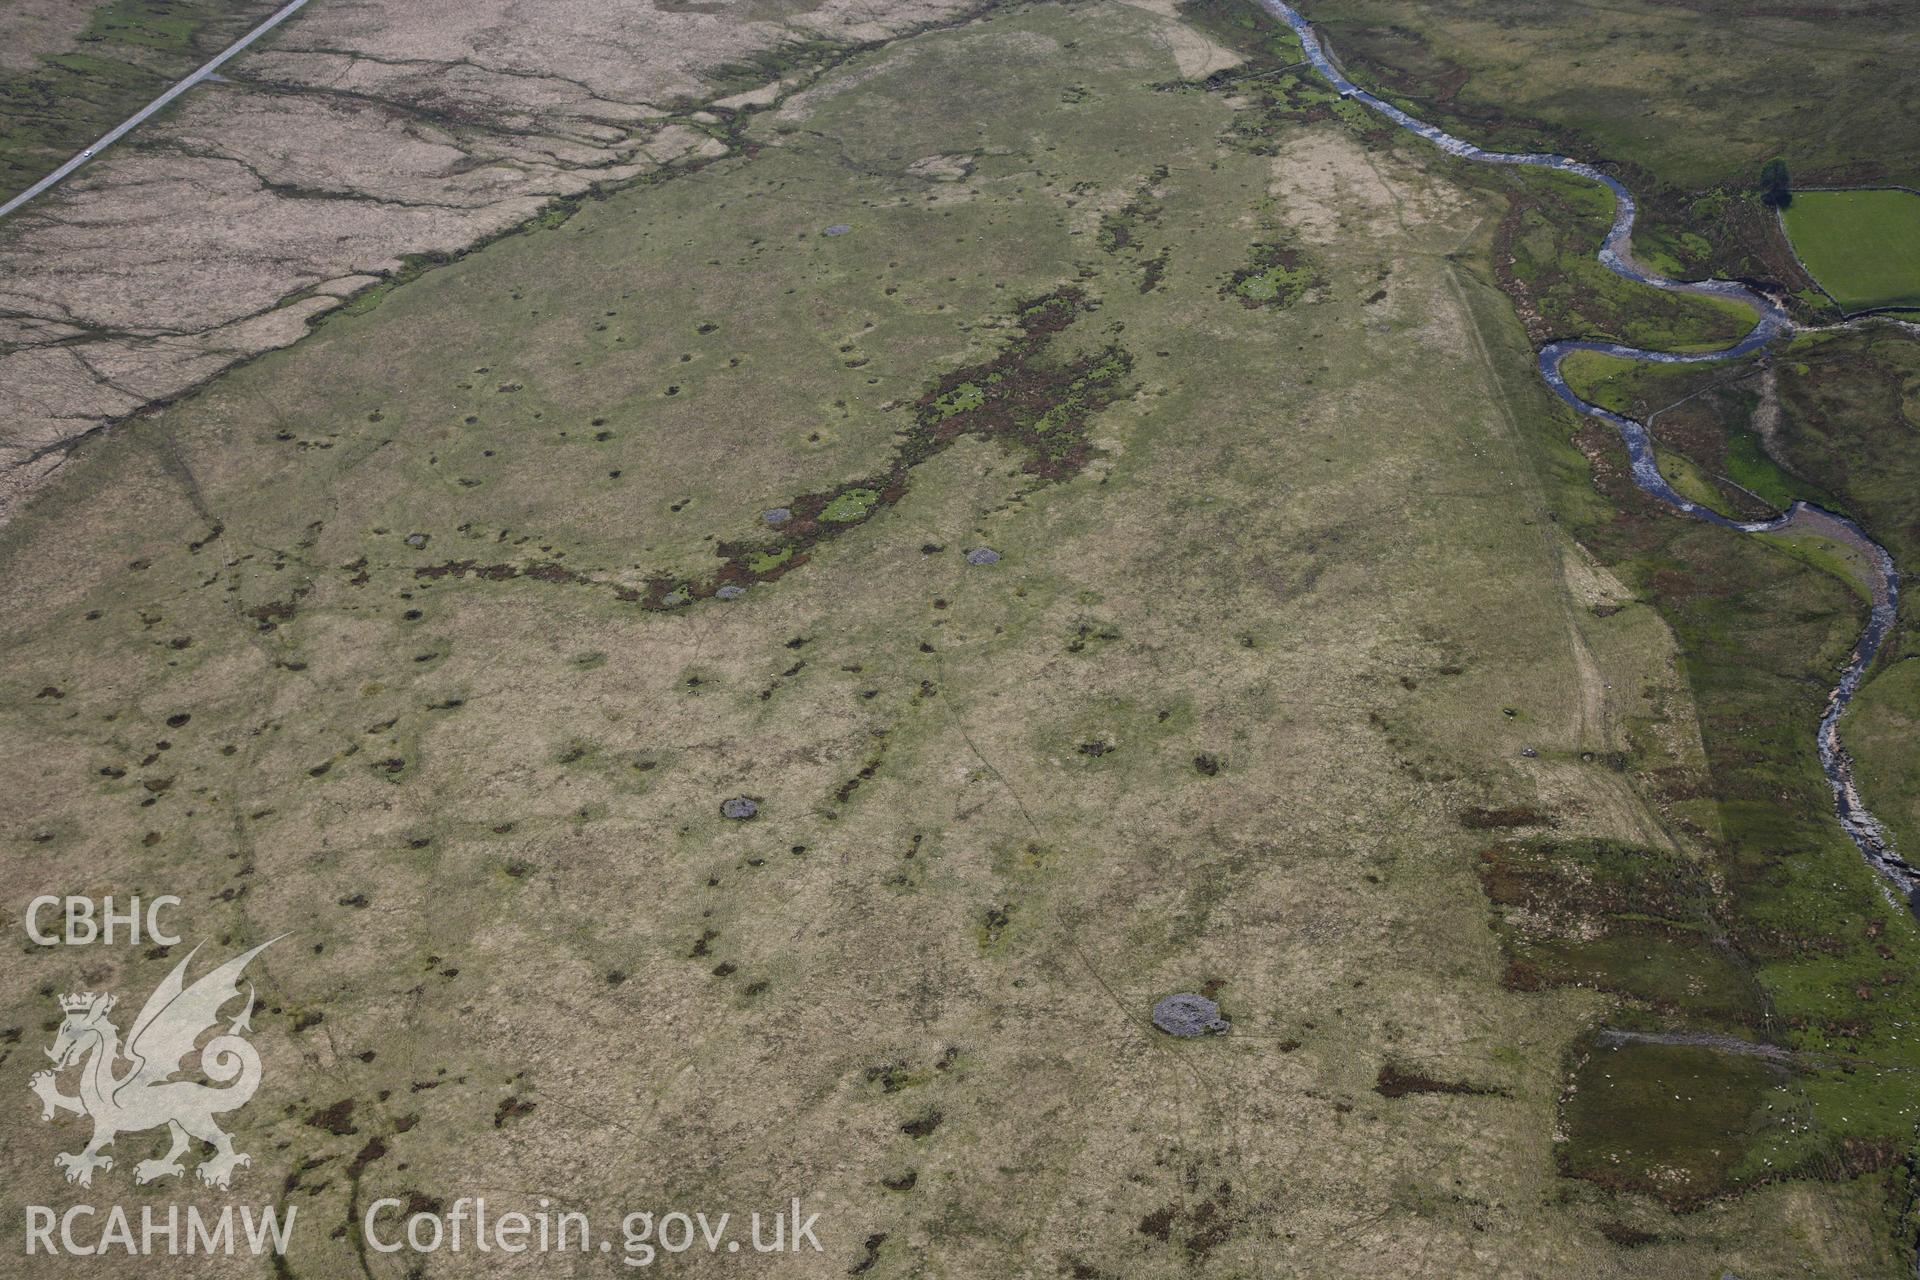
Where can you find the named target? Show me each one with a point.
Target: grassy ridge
(1862, 246)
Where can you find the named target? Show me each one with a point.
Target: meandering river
(1616, 255)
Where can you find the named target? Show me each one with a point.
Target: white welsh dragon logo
(144, 1095)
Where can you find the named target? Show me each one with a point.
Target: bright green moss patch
(769, 560)
(850, 506)
(1687, 479)
(962, 398)
(1277, 277)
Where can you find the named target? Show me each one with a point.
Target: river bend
(1616, 255)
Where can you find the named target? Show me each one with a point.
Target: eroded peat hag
(1030, 403)
(1035, 403)
(1771, 322)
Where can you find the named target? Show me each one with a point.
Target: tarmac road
(121, 130)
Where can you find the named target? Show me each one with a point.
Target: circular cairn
(1187, 1015)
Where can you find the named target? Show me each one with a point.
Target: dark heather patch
(1036, 407)
(1495, 819)
(1627, 1237)
(336, 1119)
(872, 1245)
(1276, 277)
(1397, 1082)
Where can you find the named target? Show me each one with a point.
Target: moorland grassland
(1329, 666)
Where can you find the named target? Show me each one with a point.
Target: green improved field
(1862, 246)
(1879, 733)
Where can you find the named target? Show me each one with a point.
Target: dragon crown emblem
(129, 1085)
